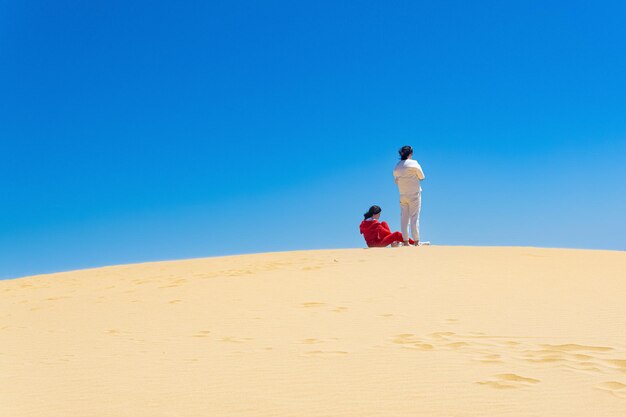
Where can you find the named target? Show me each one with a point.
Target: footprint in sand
(490, 358)
(409, 341)
(176, 283)
(542, 355)
(403, 338)
(570, 355)
(310, 268)
(492, 350)
(457, 345)
(614, 387)
(235, 339)
(618, 364)
(509, 381)
(572, 347)
(441, 335)
(246, 270)
(56, 298)
(312, 304)
(326, 353)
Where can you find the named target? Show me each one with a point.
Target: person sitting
(377, 234)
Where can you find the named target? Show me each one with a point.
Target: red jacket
(374, 231)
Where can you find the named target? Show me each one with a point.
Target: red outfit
(378, 235)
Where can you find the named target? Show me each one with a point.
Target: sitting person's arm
(383, 230)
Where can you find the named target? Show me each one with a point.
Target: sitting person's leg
(391, 238)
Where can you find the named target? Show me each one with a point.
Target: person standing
(407, 175)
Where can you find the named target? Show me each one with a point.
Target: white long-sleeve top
(407, 174)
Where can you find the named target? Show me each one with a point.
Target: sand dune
(430, 331)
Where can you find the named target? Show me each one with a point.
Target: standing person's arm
(418, 171)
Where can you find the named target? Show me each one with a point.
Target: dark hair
(405, 151)
(373, 210)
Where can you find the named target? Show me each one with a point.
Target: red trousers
(389, 239)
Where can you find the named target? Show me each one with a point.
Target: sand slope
(430, 331)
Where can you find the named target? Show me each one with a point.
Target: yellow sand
(429, 331)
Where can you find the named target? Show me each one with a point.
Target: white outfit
(407, 174)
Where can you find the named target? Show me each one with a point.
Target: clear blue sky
(136, 131)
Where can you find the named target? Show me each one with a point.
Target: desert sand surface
(428, 331)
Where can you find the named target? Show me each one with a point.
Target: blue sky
(137, 131)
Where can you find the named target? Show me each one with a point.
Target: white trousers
(410, 206)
